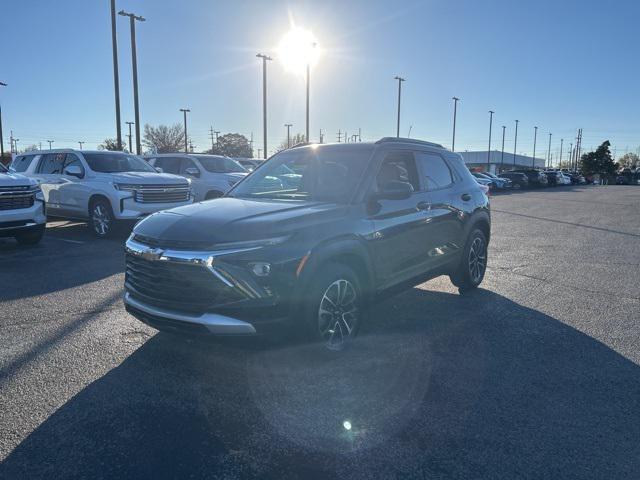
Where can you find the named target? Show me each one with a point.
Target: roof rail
(407, 140)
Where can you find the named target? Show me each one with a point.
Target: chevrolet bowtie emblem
(152, 254)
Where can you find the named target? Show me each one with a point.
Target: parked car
(250, 164)
(22, 208)
(554, 178)
(501, 183)
(536, 177)
(484, 180)
(518, 180)
(364, 218)
(210, 175)
(566, 179)
(103, 187)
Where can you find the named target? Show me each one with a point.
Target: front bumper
(164, 319)
(22, 219)
(128, 209)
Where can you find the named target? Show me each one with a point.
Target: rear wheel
(32, 237)
(334, 308)
(473, 264)
(516, 186)
(101, 218)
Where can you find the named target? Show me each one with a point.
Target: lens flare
(297, 49)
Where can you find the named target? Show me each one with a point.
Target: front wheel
(335, 307)
(473, 264)
(101, 219)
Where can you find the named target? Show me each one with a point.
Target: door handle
(466, 197)
(424, 206)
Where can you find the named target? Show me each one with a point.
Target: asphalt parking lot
(536, 375)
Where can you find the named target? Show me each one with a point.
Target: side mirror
(394, 190)
(192, 172)
(159, 170)
(73, 171)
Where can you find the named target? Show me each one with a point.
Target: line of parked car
(528, 178)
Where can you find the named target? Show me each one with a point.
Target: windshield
(3, 169)
(215, 164)
(320, 174)
(114, 162)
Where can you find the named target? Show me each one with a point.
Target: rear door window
(434, 171)
(169, 164)
(52, 163)
(400, 167)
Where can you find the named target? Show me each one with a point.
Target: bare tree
(164, 138)
(110, 144)
(295, 139)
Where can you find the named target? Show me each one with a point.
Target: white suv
(21, 208)
(211, 175)
(101, 186)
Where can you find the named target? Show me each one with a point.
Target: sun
(297, 49)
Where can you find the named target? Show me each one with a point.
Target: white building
(498, 162)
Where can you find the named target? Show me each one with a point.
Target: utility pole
(15, 143)
(549, 151)
(216, 133)
(259, 150)
(211, 137)
(504, 129)
(264, 99)
(400, 80)
(359, 134)
(515, 143)
(186, 137)
(10, 141)
(50, 142)
(116, 79)
(339, 136)
(134, 67)
(491, 112)
(455, 114)
(535, 138)
(570, 156)
(560, 161)
(251, 144)
(306, 138)
(130, 145)
(81, 143)
(289, 125)
(2, 84)
(321, 136)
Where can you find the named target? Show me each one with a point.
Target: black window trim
(385, 155)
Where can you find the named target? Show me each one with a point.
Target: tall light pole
(491, 112)
(264, 99)
(289, 125)
(50, 142)
(134, 67)
(186, 141)
(116, 79)
(549, 151)
(130, 146)
(306, 138)
(81, 143)
(455, 114)
(535, 138)
(2, 84)
(561, 145)
(515, 143)
(504, 129)
(400, 80)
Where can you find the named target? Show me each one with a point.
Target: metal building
(497, 162)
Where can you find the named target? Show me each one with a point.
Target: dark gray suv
(309, 239)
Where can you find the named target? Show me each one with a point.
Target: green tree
(295, 139)
(111, 144)
(164, 138)
(598, 162)
(232, 145)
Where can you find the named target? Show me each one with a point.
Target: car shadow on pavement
(437, 385)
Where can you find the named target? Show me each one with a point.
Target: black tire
(338, 326)
(473, 263)
(213, 194)
(516, 186)
(32, 237)
(101, 219)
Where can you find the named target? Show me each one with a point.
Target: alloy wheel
(101, 220)
(477, 260)
(338, 314)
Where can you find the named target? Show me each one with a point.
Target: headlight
(125, 187)
(264, 242)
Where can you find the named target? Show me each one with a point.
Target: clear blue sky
(558, 65)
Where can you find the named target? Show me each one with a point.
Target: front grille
(162, 193)
(175, 286)
(14, 199)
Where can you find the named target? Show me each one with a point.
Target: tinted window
(21, 163)
(52, 163)
(168, 164)
(398, 167)
(113, 162)
(215, 164)
(434, 170)
(187, 163)
(72, 159)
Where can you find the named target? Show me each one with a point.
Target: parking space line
(66, 240)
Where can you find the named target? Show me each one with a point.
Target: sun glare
(297, 49)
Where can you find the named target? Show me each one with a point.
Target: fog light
(261, 269)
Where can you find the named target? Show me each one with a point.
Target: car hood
(229, 219)
(143, 178)
(15, 179)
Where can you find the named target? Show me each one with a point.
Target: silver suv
(211, 175)
(101, 186)
(21, 208)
